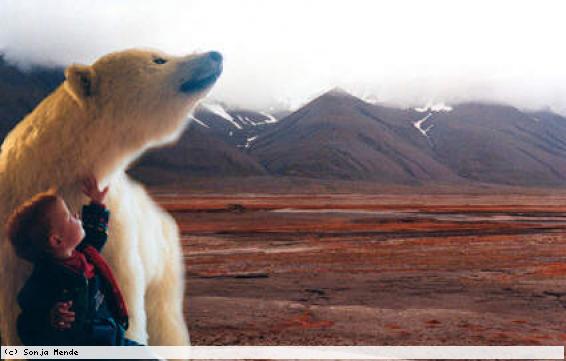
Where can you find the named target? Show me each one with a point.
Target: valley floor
(373, 270)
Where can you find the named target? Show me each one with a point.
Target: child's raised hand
(91, 190)
(60, 317)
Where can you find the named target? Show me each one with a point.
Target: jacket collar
(49, 268)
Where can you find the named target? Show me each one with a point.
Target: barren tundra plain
(358, 269)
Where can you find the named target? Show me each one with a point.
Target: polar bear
(100, 119)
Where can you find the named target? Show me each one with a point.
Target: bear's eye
(159, 61)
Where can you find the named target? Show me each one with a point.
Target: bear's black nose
(215, 56)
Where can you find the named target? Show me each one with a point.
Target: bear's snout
(206, 73)
(215, 56)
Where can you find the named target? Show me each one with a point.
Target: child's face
(66, 230)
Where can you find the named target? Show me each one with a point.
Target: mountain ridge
(339, 136)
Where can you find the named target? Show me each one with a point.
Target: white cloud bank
(407, 52)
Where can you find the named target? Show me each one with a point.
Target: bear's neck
(61, 143)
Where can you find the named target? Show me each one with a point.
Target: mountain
(212, 146)
(500, 144)
(196, 154)
(340, 136)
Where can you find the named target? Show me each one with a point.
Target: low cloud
(280, 53)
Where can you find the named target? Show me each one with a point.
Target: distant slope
(21, 91)
(196, 154)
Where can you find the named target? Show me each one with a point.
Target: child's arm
(95, 215)
(95, 223)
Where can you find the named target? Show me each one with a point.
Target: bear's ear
(81, 81)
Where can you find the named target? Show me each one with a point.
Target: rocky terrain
(373, 270)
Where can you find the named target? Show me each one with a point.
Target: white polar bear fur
(99, 120)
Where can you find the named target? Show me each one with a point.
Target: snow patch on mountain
(253, 124)
(419, 125)
(369, 98)
(219, 110)
(437, 107)
(199, 122)
(249, 141)
(270, 118)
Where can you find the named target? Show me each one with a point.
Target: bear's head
(145, 94)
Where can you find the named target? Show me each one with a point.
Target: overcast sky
(407, 52)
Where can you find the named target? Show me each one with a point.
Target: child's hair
(28, 227)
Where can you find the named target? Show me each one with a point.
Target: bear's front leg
(124, 252)
(130, 273)
(165, 294)
(150, 238)
(166, 325)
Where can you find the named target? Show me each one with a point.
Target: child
(72, 297)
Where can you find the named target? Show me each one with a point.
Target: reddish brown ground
(373, 270)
